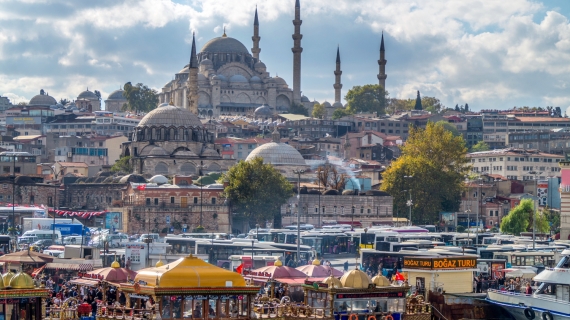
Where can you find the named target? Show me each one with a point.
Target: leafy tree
(520, 219)
(457, 107)
(480, 146)
(98, 94)
(329, 177)
(466, 107)
(140, 98)
(449, 127)
(435, 160)
(63, 102)
(553, 218)
(256, 191)
(432, 104)
(298, 109)
(418, 105)
(319, 111)
(367, 98)
(123, 165)
(340, 112)
(395, 105)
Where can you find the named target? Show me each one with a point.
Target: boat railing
(534, 296)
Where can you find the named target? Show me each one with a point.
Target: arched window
(161, 168)
(187, 169)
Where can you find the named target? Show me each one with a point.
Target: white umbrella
(521, 273)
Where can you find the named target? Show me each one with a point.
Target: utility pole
(298, 173)
(409, 203)
(535, 213)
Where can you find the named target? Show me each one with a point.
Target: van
(43, 234)
(27, 240)
(154, 236)
(116, 240)
(74, 240)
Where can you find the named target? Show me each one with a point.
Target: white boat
(551, 301)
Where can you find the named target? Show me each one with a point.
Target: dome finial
(224, 35)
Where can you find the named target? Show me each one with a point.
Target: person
(346, 266)
(128, 263)
(528, 289)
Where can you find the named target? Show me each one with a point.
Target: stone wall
(92, 196)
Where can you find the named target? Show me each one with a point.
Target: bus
(533, 259)
(5, 245)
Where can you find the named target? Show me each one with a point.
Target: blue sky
(490, 54)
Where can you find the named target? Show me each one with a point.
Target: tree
(435, 160)
(98, 94)
(466, 107)
(449, 127)
(432, 104)
(140, 98)
(123, 165)
(520, 219)
(329, 177)
(319, 111)
(63, 102)
(340, 112)
(367, 98)
(418, 105)
(298, 109)
(257, 191)
(457, 108)
(480, 146)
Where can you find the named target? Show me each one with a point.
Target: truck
(67, 229)
(42, 223)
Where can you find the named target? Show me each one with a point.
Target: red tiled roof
(542, 119)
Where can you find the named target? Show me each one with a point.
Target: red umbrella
(276, 272)
(318, 271)
(115, 275)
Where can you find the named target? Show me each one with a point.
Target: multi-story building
(238, 148)
(315, 128)
(474, 132)
(110, 124)
(92, 150)
(550, 141)
(5, 104)
(515, 164)
(28, 119)
(70, 124)
(19, 163)
(368, 145)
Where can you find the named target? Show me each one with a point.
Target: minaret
(192, 85)
(337, 85)
(255, 50)
(297, 36)
(382, 64)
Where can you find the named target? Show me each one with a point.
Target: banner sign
(440, 263)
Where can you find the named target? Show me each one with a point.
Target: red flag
(399, 277)
(141, 187)
(239, 269)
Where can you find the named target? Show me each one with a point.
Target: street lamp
(409, 203)
(535, 174)
(298, 173)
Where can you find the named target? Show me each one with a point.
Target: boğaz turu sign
(440, 263)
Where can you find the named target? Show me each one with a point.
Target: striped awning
(70, 266)
(85, 282)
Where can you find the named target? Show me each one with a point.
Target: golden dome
(115, 264)
(316, 262)
(190, 272)
(381, 281)
(22, 280)
(6, 277)
(332, 282)
(159, 264)
(355, 279)
(278, 263)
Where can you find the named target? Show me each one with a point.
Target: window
(171, 199)
(156, 201)
(213, 200)
(148, 201)
(195, 199)
(16, 169)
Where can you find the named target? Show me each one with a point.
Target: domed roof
(132, 178)
(224, 45)
(184, 70)
(117, 95)
(175, 275)
(381, 281)
(164, 104)
(277, 154)
(42, 100)
(87, 95)
(158, 179)
(159, 264)
(6, 277)
(326, 104)
(255, 79)
(22, 280)
(337, 105)
(115, 264)
(264, 110)
(305, 99)
(355, 279)
(279, 80)
(206, 62)
(170, 116)
(220, 77)
(238, 78)
(259, 64)
(332, 282)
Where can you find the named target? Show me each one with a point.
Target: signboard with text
(440, 263)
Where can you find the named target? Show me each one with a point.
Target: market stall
(26, 258)
(189, 288)
(316, 270)
(106, 277)
(20, 298)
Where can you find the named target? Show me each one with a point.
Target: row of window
(518, 159)
(67, 126)
(156, 201)
(392, 131)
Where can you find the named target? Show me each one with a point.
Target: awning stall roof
(86, 282)
(70, 266)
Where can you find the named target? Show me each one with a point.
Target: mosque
(224, 78)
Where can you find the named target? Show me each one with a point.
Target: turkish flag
(141, 187)
(239, 269)
(400, 277)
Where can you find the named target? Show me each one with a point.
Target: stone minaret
(382, 64)
(193, 79)
(337, 85)
(255, 50)
(297, 36)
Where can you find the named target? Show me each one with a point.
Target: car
(44, 243)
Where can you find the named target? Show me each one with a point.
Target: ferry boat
(551, 301)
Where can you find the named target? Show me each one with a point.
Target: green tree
(298, 109)
(432, 104)
(63, 102)
(319, 111)
(520, 219)
(256, 191)
(367, 98)
(97, 93)
(480, 146)
(435, 160)
(466, 109)
(449, 127)
(418, 105)
(123, 165)
(340, 112)
(140, 98)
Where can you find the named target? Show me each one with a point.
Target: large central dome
(170, 115)
(224, 45)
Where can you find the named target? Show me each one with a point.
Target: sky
(487, 53)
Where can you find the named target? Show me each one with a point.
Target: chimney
(369, 137)
(182, 180)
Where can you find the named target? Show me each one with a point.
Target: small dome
(355, 279)
(316, 262)
(337, 105)
(331, 192)
(259, 65)
(224, 45)
(115, 264)
(202, 77)
(6, 277)
(87, 95)
(264, 110)
(305, 99)
(117, 95)
(158, 179)
(159, 264)
(381, 281)
(220, 77)
(279, 80)
(326, 104)
(278, 263)
(277, 154)
(184, 70)
(238, 78)
(255, 79)
(22, 280)
(332, 282)
(205, 180)
(132, 178)
(42, 100)
(207, 63)
(170, 116)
